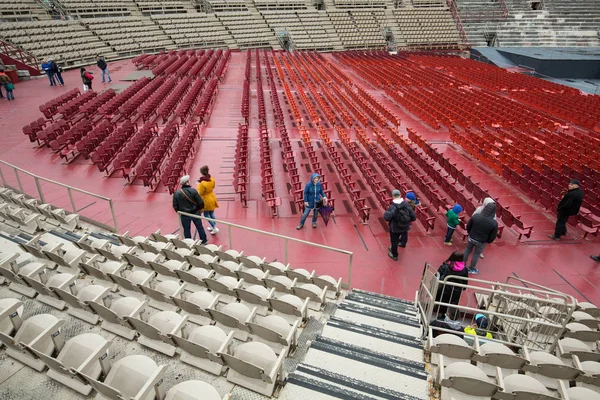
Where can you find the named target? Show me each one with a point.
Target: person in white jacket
(486, 201)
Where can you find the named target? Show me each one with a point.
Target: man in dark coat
(482, 229)
(101, 63)
(188, 200)
(399, 215)
(569, 205)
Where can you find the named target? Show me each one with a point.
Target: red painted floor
(564, 266)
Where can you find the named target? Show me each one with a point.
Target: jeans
(51, 78)
(59, 78)
(449, 233)
(478, 246)
(561, 225)
(306, 212)
(398, 239)
(9, 95)
(210, 214)
(186, 223)
(105, 71)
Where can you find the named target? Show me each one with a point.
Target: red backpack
(88, 76)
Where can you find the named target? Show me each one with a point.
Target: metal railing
(519, 312)
(19, 55)
(286, 240)
(46, 189)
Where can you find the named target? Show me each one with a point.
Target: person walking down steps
(482, 229)
(314, 198)
(452, 221)
(399, 216)
(206, 190)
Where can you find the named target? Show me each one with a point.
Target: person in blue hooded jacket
(314, 197)
(49, 74)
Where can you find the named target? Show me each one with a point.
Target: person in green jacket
(452, 221)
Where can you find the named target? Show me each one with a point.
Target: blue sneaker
(473, 271)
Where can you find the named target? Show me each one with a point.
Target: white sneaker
(214, 231)
(209, 228)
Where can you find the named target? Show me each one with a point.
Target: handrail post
(18, 180)
(180, 218)
(72, 201)
(285, 246)
(39, 188)
(114, 217)
(229, 236)
(2, 177)
(350, 270)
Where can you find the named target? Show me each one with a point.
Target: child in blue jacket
(452, 222)
(314, 197)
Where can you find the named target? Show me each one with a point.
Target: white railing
(46, 190)
(273, 248)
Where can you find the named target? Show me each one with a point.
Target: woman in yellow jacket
(206, 187)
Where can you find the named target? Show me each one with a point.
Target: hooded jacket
(571, 202)
(482, 227)
(390, 216)
(101, 64)
(313, 193)
(189, 203)
(486, 201)
(205, 188)
(46, 66)
(452, 216)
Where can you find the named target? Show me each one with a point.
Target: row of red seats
(50, 108)
(209, 95)
(90, 108)
(150, 165)
(220, 70)
(32, 129)
(128, 156)
(70, 136)
(52, 131)
(185, 68)
(360, 203)
(90, 142)
(128, 108)
(203, 58)
(111, 106)
(105, 152)
(139, 59)
(240, 168)
(288, 93)
(147, 109)
(165, 110)
(72, 146)
(184, 108)
(300, 91)
(315, 165)
(162, 66)
(182, 157)
(245, 107)
(71, 108)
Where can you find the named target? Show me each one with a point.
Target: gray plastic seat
(194, 390)
(203, 346)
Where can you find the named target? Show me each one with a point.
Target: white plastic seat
(462, 380)
(325, 281)
(275, 268)
(275, 331)
(196, 305)
(255, 366)
(183, 243)
(159, 237)
(41, 332)
(131, 241)
(315, 294)
(280, 283)
(131, 377)
(11, 312)
(225, 285)
(66, 259)
(150, 246)
(208, 249)
(131, 281)
(252, 276)
(589, 308)
(233, 317)
(579, 393)
(591, 374)
(252, 261)
(202, 260)
(162, 294)
(140, 258)
(491, 354)
(155, 333)
(91, 244)
(226, 268)
(256, 295)
(178, 254)
(523, 387)
(86, 353)
(78, 306)
(167, 269)
(45, 285)
(100, 271)
(586, 319)
(568, 347)
(195, 277)
(452, 347)
(194, 390)
(202, 347)
(290, 307)
(15, 275)
(229, 255)
(114, 252)
(114, 315)
(549, 369)
(301, 275)
(584, 333)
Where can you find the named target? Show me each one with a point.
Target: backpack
(89, 76)
(402, 216)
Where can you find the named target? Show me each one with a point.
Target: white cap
(184, 179)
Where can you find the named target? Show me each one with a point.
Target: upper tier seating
(307, 28)
(194, 30)
(21, 10)
(97, 8)
(427, 26)
(247, 31)
(358, 28)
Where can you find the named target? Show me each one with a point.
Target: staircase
(392, 23)
(369, 349)
(25, 63)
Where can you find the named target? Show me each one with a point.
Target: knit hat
(481, 321)
(411, 196)
(575, 182)
(396, 193)
(184, 179)
(457, 209)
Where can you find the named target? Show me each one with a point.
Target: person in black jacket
(453, 266)
(101, 63)
(482, 229)
(57, 71)
(399, 215)
(188, 200)
(569, 205)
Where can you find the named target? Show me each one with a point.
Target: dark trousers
(50, 78)
(59, 78)
(187, 221)
(561, 225)
(449, 233)
(398, 239)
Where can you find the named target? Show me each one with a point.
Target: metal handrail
(70, 189)
(286, 239)
(22, 56)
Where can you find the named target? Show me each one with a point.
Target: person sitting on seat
(478, 328)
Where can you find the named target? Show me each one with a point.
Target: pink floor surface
(563, 266)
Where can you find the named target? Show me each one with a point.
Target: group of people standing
(199, 201)
(53, 72)
(7, 84)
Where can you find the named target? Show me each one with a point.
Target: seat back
(245, 368)
(125, 283)
(144, 328)
(192, 348)
(38, 286)
(266, 333)
(51, 362)
(190, 307)
(109, 392)
(225, 319)
(106, 313)
(71, 299)
(162, 269)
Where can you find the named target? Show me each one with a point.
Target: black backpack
(402, 216)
